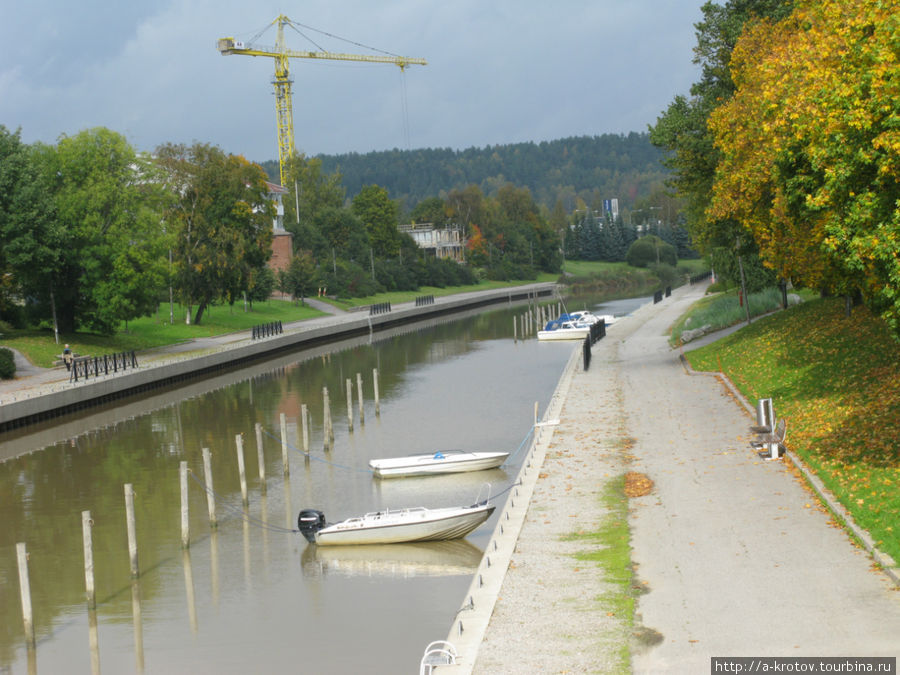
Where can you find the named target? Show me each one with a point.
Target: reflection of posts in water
(288, 509)
(185, 508)
(261, 458)
(90, 594)
(132, 535)
(362, 410)
(246, 550)
(349, 388)
(304, 414)
(94, 639)
(25, 592)
(239, 441)
(285, 462)
(189, 589)
(377, 396)
(264, 519)
(326, 419)
(32, 660)
(138, 626)
(210, 497)
(214, 565)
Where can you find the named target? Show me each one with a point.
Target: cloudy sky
(499, 71)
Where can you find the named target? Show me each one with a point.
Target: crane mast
(284, 113)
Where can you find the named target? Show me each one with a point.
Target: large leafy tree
(90, 249)
(344, 234)
(682, 129)
(811, 148)
(221, 222)
(31, 240)
(312, 190)
(381, 216)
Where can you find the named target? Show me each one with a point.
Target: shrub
(7, 364)
(650, 249)
(666, 274)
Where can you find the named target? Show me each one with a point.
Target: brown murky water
(249, 596)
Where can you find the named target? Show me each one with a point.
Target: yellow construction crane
(284, 114)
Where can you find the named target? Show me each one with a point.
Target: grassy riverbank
(41, 349)
(836, 380)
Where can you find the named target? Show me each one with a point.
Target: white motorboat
(564, 330)
(446, 461)
(589, 317)
(394, 526)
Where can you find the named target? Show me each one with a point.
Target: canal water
(249, 595)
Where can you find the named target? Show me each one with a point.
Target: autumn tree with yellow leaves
(810, 147)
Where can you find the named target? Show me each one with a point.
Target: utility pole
(743, 283)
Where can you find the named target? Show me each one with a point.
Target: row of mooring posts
(87, 522)
(534, 319)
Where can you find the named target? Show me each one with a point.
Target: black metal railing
(424, 300)
(265, 330)
(379, 308)
(83, 367)
(697, 278)
(597, 332)
(657, 297)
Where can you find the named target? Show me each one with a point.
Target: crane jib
(283, 107)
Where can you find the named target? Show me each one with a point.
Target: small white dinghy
(394, 526)
(446, 461)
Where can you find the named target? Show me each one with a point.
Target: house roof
(276, 189)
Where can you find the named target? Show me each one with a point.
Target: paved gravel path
(735, 554)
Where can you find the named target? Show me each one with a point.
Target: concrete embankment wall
(91, 393)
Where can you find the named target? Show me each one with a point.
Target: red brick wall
(282, 251)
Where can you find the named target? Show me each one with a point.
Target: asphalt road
(736, 555)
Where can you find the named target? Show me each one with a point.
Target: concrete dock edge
(472, 618)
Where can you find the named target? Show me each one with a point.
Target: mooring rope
(240, 510)
(521, 445)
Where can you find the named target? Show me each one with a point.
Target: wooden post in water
(377, 395)
(261, 458)
(239, 441)
(285, 463)
(304, 415)
(132, 536)
(89, 592)
(328, 432)
(185, 509)
(515, 332)
(210, 497)
(349, 404)
(362, 410)
(25, 593)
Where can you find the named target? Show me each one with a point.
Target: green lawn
(587, 268)
(836, 381)
(147, 332)
(40, 348)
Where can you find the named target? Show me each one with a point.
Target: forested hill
(590, 167)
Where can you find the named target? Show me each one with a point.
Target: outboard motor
(309, 522)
